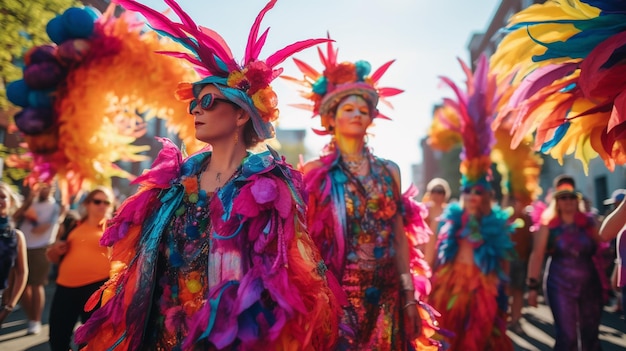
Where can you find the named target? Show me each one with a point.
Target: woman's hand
(412, 321)
(60, 247)
(55, 251)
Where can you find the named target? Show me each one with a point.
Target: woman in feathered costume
(356, 213)
(568, 61)
(212, 252)
(475, 244)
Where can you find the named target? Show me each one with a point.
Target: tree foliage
(23, 26)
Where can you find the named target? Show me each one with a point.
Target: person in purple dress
(571, 282)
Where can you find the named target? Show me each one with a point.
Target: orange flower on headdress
(266, 101)
(344, 72)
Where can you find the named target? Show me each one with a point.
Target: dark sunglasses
(437, 191)
(99, 202)
(567, 197)
(207, 102)
(473, 191)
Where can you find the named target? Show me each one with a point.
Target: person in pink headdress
(357, 215)
(212, 253)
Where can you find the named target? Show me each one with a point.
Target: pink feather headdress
(246, 84)
(476, 108)
(327, 88)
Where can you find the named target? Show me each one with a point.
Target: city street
(537, 324)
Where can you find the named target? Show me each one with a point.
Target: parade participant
(572, 286)
(83, 268)
(436, 199)
(356, 210)
(13, 261)
(475, 243)
(212, 252)
(39, 221)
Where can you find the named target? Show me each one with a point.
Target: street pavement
(537, 325)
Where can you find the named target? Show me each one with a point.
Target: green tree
(23, 26)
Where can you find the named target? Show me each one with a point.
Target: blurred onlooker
(522, 238)
(38, 219)
(568, 236)
(436, 198)
(13, 266)
(83, 267)
(614, 226)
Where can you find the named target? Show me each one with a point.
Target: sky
(424, 37)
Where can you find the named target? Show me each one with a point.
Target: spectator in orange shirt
(83, 268)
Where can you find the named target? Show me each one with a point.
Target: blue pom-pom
(40, 98)
(17, 93)
(56, 30)
(320, 86)
(93, 12)
(78, 23)
(363, 69)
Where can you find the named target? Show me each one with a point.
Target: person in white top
(38, 219)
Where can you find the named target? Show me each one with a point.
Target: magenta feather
(205, 48)
(381, 71)
(252, 46)
(306, 69)
(538, 79)
(386, 92)
(284, 53)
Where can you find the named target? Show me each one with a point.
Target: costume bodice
(572, 241)
(8, 251)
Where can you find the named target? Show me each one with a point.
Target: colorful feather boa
(494, 246)
(262, 206)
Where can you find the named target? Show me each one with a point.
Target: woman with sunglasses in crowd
(572, 285)
(436, 199)
(212, 253)
(83, 268)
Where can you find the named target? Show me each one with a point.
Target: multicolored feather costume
(281, 300)
(470, 293)
(108, 84)
(568, 61)
(329, 228)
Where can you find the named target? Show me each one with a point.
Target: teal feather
(559, 133)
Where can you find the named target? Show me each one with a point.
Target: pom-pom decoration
(87, 99)
(17, 93)
(33, 120)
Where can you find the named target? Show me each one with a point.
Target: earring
(236, 136)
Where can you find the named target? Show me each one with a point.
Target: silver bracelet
(410, 303)
(407, 281)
